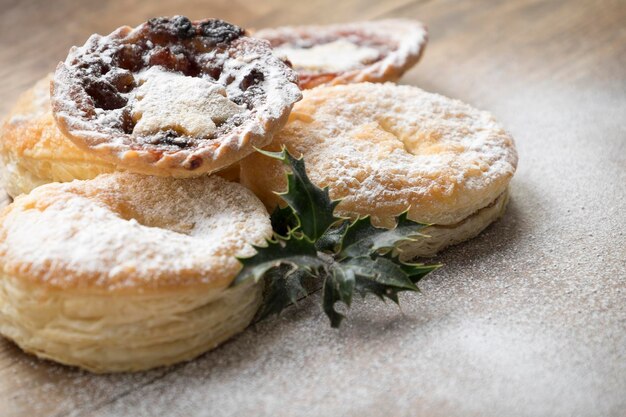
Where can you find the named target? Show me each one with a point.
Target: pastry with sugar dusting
(127, 272)
(173, 97)
(384, 149)
(374, 51)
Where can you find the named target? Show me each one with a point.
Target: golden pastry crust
(34, 152)
(104, 333)
(384, 149)
(440, 237)
(152, 233)
(173, 97)
(230, 173)
(126, 272)
(375, 51)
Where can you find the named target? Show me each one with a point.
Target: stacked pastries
(132, 269)
(128, 267)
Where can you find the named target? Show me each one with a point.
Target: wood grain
(555, 73)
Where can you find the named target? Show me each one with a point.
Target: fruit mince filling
(169, 83)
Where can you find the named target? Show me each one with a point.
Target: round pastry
(173, 97)
(152, 287)
(374, 51)
(34, 152)
(384, 149)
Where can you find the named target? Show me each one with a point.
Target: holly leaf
(382, 271)
(380, 277)
(284, 220)
(415, 272)
(312, 205)
(338, 287)
(311, 243)
(330, 241)
(283, 288)
(296, 251)
(363, 238)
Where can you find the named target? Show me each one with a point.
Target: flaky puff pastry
(126, 272)
(384, 149)
(34, 152)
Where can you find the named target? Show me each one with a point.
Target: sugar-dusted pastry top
(384, 148)
(373, 51)
(173, 97)
(160, 106)
(128, 232)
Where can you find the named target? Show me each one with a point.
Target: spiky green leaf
(284, 220)
(416, 272)
(379, 276)
(381, 271)
(338, 287)
(363, 238)
(313, 206)
(330, 242)
(284, 286)
(297, 251)
(312, 243)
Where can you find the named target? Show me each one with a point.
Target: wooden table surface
(529, 319)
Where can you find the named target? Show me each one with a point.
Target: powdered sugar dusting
(123, 230)
(384, 148)
(160, 106)
(96, 101)
(339, 55)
